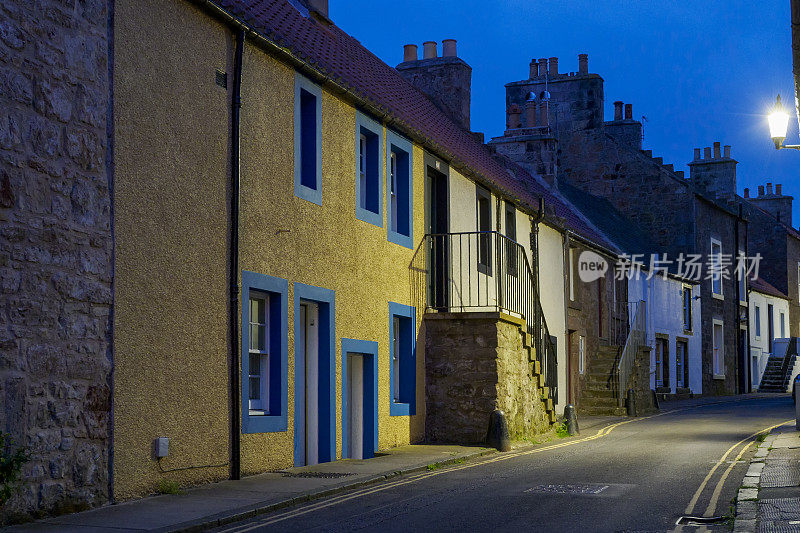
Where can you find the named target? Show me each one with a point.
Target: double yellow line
(425, 475)
(712, 504)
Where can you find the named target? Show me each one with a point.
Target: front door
(439, 244)
(309, 344)
(361, 412)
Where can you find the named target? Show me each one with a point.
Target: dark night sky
(700, 71)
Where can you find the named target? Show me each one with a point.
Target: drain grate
(700, 520)
(318, 475)
(575, 488)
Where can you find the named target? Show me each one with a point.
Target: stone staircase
(599, 395)
(535, 368)
(774, 379)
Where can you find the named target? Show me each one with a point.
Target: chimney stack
(410, 53)
(542, 66)
(513, 117)
(618, 110)
(628, 111)
(553, 66)
(449, 48)
(761, 190)
(746, 192)
(429, 50)
(778, 188)
(583, 63)
(534, 69)
(697, 154)
(769, 188)
(707, 152)
(716, 150)
(544, 114)
(726, 151)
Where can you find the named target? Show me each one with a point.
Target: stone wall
(475, 363)
(55, 250)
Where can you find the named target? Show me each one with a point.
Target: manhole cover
(321, 475)
(575, 488)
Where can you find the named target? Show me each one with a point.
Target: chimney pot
(707, 152)
(410, 52)
(583, 63)
(697, 154)
(716, 150)
(449, 48)
(769, 188)
(534, 69)
(628, 111)
(530, 113)
(746, 192)
(761, 190)
(429, 50)
(554, 66)
(618, 110)
(726, 151)
(542, 66)
(778, 188)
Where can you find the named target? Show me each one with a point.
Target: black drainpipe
(236, 105)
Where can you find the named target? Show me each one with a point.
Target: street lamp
(778, 124)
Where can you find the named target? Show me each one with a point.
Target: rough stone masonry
(55, 250)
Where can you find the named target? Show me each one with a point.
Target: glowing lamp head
(778, 123)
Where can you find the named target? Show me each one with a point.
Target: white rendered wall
(759, 344)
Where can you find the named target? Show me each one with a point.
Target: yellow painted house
(274, 182)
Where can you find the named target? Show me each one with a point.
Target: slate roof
(759, 285)
(340, 57)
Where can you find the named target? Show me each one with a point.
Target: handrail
(637, 337)
(482, 270)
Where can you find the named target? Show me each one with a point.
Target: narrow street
(638, 475)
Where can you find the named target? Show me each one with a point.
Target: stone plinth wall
(475, 363)
(641, 382)
(55, 251)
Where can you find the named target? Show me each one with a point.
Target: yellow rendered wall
(170, 225)
(325, 246)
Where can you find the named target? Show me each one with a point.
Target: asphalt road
(640, 475)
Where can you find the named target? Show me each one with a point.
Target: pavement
(769, 498)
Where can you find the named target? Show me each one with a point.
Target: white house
(673, 331)
(769, 320)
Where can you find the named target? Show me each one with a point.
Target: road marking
(500, 457)
(718, 488)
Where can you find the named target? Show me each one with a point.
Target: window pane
(255, 388)
(255, 364)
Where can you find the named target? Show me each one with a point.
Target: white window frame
(679, 374)
(757, 320)
(659, 362)
(687, 306)
(581, 354)
(798, 280)
(259, 406)
(572, 274)
(717, 258)
(718, 351)
(783, 325)
(742, 279)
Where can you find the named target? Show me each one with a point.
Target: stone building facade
(606, 159)
(56, 250)
(772, 235)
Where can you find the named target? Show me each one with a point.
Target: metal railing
(483, 271)
(637, 337)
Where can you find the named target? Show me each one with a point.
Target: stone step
(602, 393)
(599, 402)
(600, 411)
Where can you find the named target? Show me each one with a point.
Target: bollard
(571, 419)
(630, 403)
(655, 399)
(796, 395)
(497, 436)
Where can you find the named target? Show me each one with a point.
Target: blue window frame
(274, 292)
(369, 170)
(325, 298)
(307, 128)
(403, 359)
(369, 351)
(399, 190)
